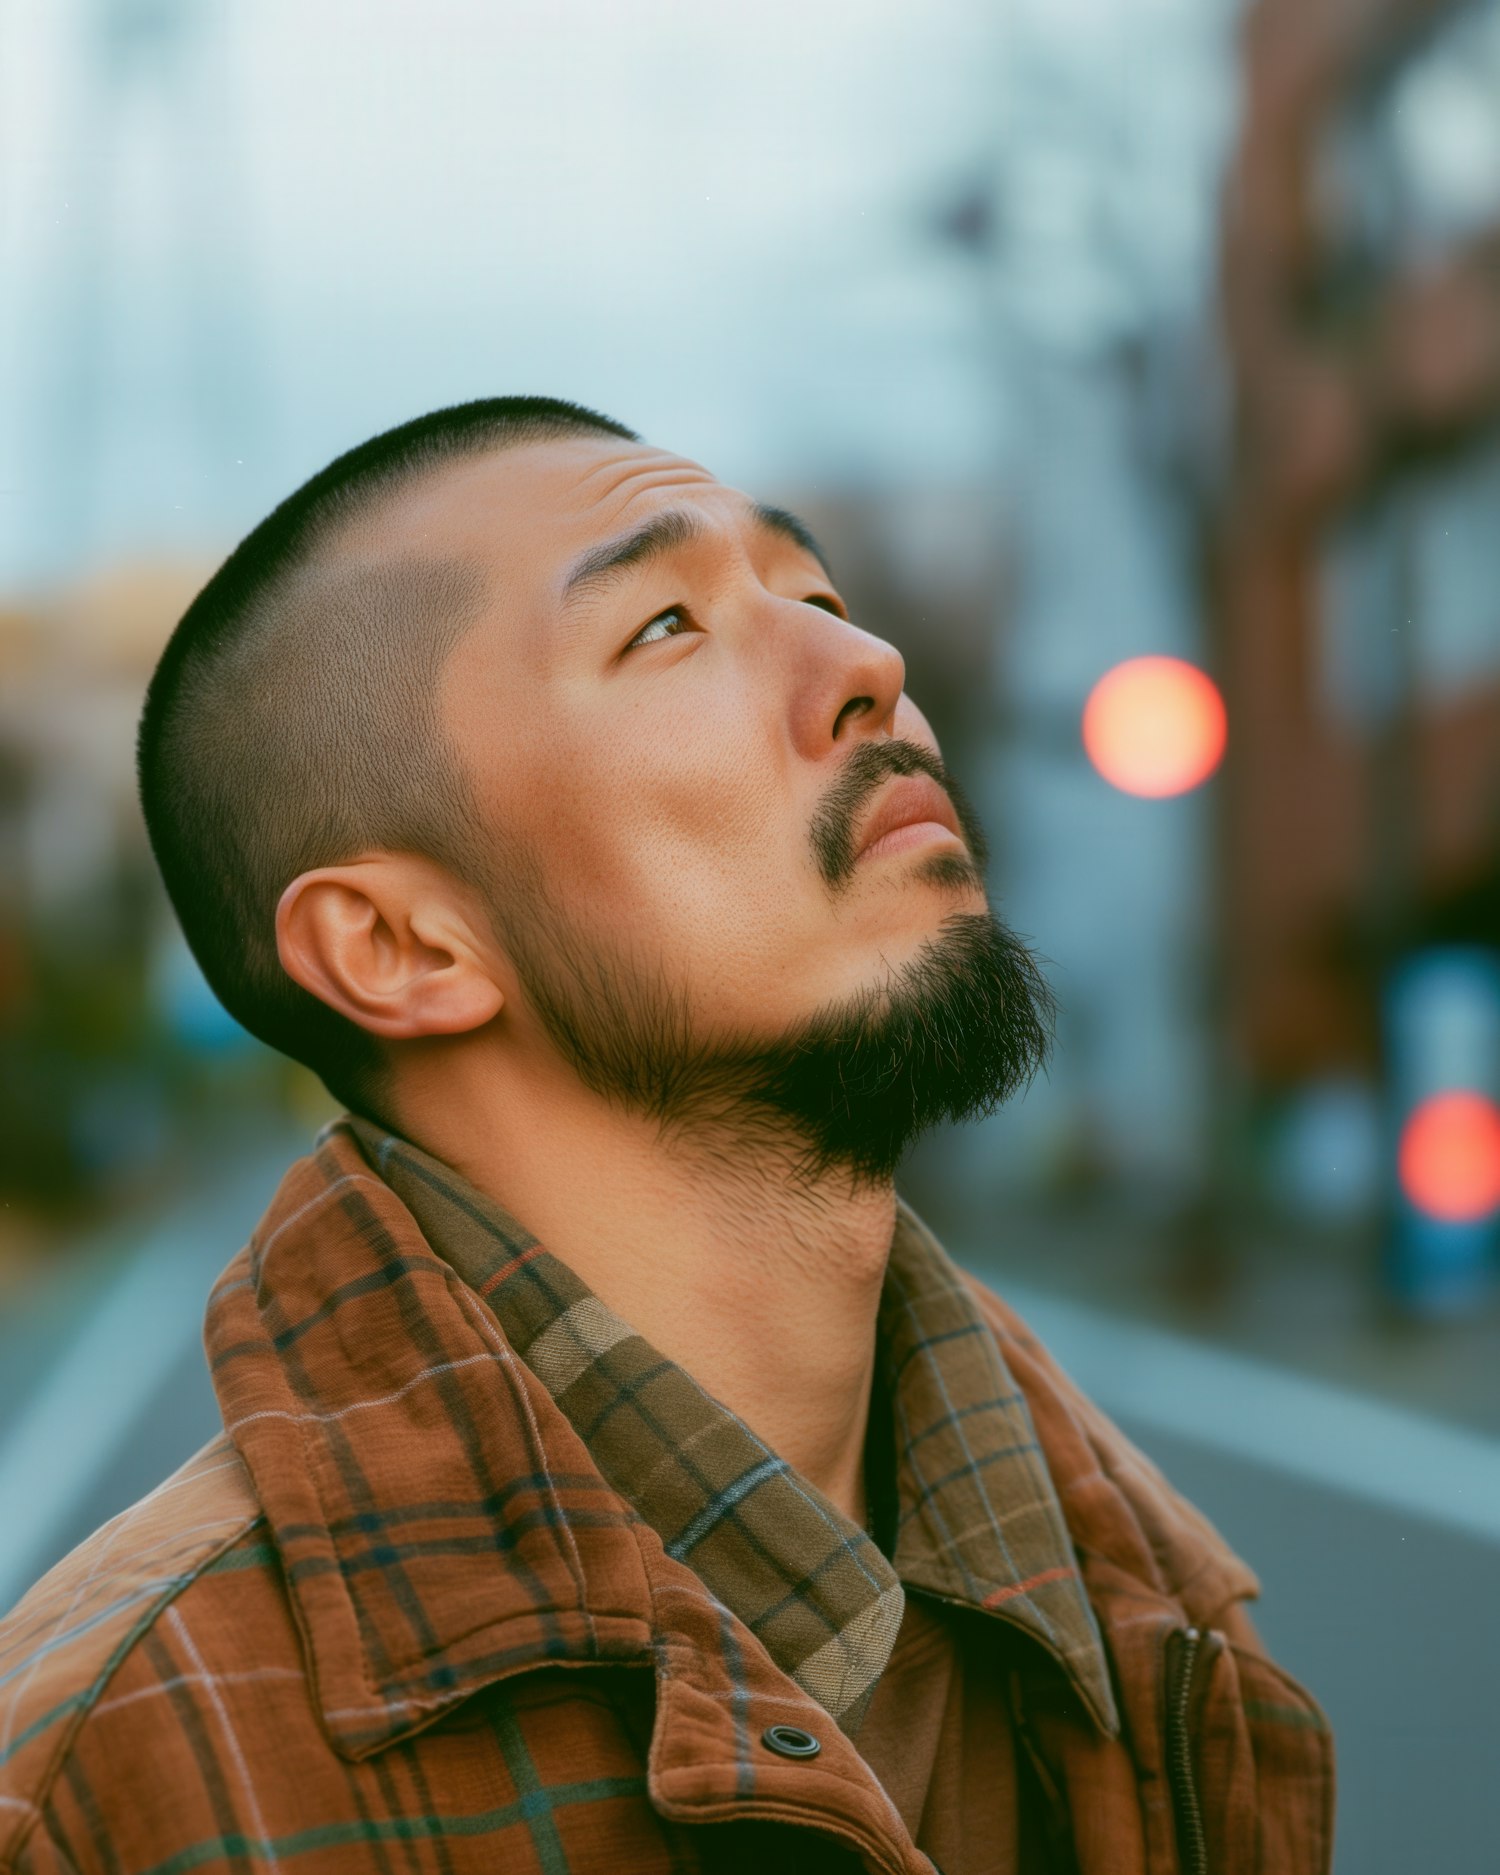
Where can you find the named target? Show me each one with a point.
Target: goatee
(954, 1032)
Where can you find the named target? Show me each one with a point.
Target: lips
(907, 802)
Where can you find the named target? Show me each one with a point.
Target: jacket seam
(10, 1867)
(74, 1725)
(1327, 1754)
(1239, 1584)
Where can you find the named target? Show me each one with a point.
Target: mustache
(870, 766)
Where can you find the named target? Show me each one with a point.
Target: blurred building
(1356, 550)
(1249, 324)
(1091, 231)
(100, 1029)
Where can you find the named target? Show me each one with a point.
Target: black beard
(953, 1033)
(960, 1029)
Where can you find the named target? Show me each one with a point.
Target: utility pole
(151, 81)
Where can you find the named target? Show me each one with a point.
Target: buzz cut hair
(292, 722)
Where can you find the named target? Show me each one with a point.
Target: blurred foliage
(101, 1096)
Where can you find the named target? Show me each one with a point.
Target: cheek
(668, 809)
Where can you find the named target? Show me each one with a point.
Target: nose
(849, 683)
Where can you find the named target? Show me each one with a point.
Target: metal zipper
(1192, 1848)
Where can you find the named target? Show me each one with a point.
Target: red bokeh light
(1155, 726)
(1449, 1160)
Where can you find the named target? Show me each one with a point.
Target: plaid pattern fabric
(979, 1519)
(396, 1620)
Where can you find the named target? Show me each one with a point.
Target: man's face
(664, 733)
(729, 878)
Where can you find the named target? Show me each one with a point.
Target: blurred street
(103, 1385)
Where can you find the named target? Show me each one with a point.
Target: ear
(381, 941)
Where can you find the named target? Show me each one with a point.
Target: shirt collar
(979, 1522)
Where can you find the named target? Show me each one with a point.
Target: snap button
(791, 1741)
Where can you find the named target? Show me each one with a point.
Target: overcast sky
(285, 225)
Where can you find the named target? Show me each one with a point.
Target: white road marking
(63, 1439)
(1285, 1422)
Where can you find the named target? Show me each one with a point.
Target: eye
(668, 624)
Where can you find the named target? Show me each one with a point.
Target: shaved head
(292, 720)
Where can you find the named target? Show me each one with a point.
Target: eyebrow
(601, 566)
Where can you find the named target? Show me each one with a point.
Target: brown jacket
(395, 1619)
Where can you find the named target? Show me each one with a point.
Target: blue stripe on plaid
(269, 1851)
(739, 1704)
(154, 1591)
(60, 1711)
(536, 1803)
(723, 1501)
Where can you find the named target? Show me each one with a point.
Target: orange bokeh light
(1449, 1159)
(1155, 726)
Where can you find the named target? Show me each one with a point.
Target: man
(616, 1475)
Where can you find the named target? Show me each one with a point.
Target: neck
(762, 1285)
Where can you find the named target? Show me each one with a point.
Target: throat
(762, 1284)
(769, 1297)
(761, 1280)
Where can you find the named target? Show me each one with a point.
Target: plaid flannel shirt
(397, 1618)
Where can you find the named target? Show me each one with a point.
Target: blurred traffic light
(1155, 726)
(1449, 1160)
(1443, 1034)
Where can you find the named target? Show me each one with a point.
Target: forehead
(528, 512)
